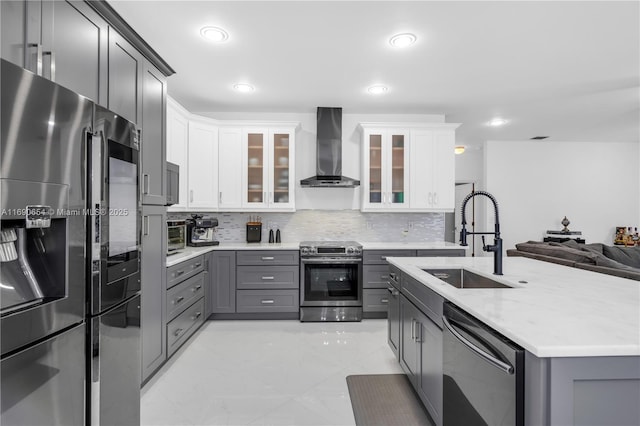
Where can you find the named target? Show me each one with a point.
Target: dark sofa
(612, 260)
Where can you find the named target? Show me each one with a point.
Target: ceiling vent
(538, 138)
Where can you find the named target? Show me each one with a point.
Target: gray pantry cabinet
(43, 37)
(153, 309)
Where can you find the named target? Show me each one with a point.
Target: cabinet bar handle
(267, 301)
(145, 220)
(197, 265)
(383, 257)
(196, 316)
(384, 300)
(384, 277)
(178, 273)
(178, 300)
(435, 198)
(393, 276)
(268, 278)
(419, 339)
(267, 258)
(52, 64)
(38, 47)
(177, 332)
(220, 198)
(145, 184)
(196, 288)
(191, 196)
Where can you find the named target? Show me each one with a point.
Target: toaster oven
(176, 235)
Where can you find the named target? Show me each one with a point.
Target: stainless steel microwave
(173, 184)
(176, 235)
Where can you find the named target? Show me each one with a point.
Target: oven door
(114, 223)
(331, 282)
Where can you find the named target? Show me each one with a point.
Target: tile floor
(266, 373)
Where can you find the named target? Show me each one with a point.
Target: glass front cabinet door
(269, 168)
(385, 165)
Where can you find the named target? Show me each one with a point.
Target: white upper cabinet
(408, 167)
(203, 166)
(385, 180)
(433, 165)
(230, 168)
(177, 140)
(268, 164)
(231, 165)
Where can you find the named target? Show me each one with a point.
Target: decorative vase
(565, 222)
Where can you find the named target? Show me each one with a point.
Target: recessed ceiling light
(497, 122)
(243, 87)
(215, 34)
(402, 40)
(459, 149)
(377, 89)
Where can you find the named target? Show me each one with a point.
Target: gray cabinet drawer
(184, 325)
(375, 300)
(254, 301)
(427, 300)
(268, 277)
(442, 253)
(379, 257)
(184, 294)
(267, 257)
(184, 270)
(375, 276)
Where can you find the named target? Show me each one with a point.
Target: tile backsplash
(332, 225)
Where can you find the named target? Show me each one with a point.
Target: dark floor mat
(385, 400)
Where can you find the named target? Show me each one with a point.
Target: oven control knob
(304, 250)
(312, 250)
(351, 250)
(358, 250)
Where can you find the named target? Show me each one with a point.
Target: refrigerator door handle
(95, 371)
(96, 212)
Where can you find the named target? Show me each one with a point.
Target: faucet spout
(496, 248)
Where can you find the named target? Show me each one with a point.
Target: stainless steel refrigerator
(69, 258)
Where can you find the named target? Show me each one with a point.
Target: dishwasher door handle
(482, 354)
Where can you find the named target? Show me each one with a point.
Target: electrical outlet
(369, 225)
(409, 225)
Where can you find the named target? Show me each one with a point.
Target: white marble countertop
(399, 245)
(559, 312)
(191, 252)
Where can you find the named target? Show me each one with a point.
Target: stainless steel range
(330, 281)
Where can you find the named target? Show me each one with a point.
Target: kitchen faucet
(496, 248)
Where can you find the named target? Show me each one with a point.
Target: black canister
(271, 235)
(278, 239)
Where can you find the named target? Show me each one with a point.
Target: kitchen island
(580, 331)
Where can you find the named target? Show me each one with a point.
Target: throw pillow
(558, 251)
(629, 256)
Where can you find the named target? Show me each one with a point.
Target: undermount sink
(462, 278)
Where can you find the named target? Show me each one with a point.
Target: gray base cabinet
(421, 343)
(222, 272)
(153, 308)
(268, 282)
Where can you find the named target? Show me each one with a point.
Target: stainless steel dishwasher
(483, 381)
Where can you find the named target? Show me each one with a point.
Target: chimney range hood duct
(329, 152)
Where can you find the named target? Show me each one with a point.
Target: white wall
(327, 198)
(537, 183)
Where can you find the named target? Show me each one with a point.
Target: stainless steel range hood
(329, 152)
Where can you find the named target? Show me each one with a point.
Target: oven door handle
(333, 261)
(482, 354)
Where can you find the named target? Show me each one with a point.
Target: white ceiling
(569, 70)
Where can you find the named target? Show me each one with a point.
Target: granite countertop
(558, 312)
